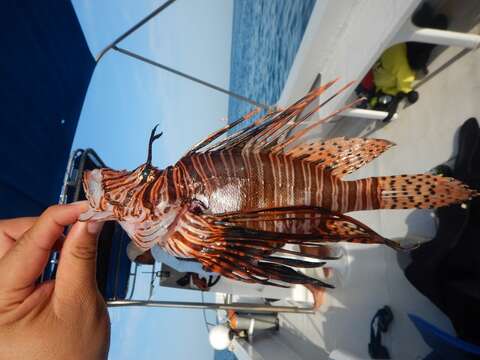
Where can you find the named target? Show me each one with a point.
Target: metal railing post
(192, 78)
(134, 28)
(212, 306)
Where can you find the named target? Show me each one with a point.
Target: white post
(410, 32)
(368, 114)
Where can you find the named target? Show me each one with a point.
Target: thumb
(76, 275)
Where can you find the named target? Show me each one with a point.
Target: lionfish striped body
(234, 203)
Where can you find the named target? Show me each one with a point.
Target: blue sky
(125, 100)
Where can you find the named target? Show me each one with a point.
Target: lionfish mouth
(92, 185)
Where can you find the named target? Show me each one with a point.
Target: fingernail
(94, 227)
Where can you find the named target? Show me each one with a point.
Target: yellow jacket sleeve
(392, 73)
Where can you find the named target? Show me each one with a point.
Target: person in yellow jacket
(392, 73)
(393, 79)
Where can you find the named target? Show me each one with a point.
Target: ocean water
(265, 39)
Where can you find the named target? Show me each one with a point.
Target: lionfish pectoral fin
(242, 253)
(292, 276)
(340, 156)
(302, 264)
(302, 225)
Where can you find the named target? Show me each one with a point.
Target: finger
(11, 230)
(15, 228)
(77, 268)
(24, 262)
(35, 303)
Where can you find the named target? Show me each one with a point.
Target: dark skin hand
(62, 319)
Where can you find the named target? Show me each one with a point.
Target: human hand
(61, 319)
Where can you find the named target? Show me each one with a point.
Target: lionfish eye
(145, 173)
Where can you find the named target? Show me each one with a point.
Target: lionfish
(234, 203)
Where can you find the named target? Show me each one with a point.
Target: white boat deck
(425, 135)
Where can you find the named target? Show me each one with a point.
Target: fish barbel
(233, 203)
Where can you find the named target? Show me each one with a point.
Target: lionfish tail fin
(422, 191)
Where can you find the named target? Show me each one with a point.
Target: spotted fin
(421, 191)
(341, 156)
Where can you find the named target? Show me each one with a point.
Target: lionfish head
(119, 195)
